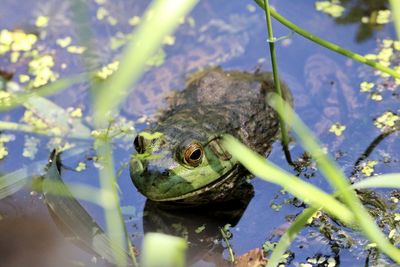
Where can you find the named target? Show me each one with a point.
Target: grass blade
(46, 90)
(162, 17)
(290, 234)
(75, 221)
(395, 5)
(337, 179)
(391, 180)
(310, 194)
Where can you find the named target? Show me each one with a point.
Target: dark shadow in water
(201, 226)
(356, 10)
(371, 148)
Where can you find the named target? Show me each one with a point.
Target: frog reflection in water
(181, 157)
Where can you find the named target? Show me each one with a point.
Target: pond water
(346, 118)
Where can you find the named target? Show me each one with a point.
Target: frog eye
(193, 155)
(139, 144)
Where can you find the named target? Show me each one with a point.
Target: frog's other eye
(139, 144)
(193, 155)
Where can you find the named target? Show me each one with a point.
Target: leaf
(14, 181)
(74, 220)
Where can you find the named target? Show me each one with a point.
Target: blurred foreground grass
(161, 19)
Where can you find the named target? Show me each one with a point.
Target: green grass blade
(161, 18)
(310, 194)
(337, 179)
(46, 90)
(15, 180)
(391, 180)
(331, 46)
(163, 250)
(12, 182)
(290, 234)
(395, 5)
(74, 220)
(380, 181)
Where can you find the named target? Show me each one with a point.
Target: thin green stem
(329, 45)
(271, 41)
(19, 98)
(13, 126)
(228, 244)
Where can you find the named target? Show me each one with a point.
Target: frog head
(173, 164)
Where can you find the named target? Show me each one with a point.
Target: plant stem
(228, 244)
(271, 41)
(329, 45)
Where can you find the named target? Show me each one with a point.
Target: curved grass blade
(395, 5)
(267, 171)
(45, 90)
(75, 221)
(336, 178)
(290, 234)
(380, 181)
(56, 116)
(391, 180)
(12, 182)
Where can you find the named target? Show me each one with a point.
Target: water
(326, 89)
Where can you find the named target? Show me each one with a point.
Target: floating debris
(368, 167)
(107, 70)
(337, 129)
(42, 21)
(81, 167)
(366, 86)
(386, 120)
(30, 147)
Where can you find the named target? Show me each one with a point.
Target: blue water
(324, 84)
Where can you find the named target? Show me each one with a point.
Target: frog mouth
(228, 178)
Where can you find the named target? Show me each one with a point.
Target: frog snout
(136, 167)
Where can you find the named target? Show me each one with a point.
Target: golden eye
(193, 155)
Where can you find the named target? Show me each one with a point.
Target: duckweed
(368, 167)
(30, 147)
(337, 129)
(332, 8)
(107, 70)
(42, 21)
(387, 119)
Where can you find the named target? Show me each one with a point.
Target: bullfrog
(180, 158)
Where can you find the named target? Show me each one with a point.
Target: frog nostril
(139, 144)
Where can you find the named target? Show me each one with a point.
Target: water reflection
(200, 226)
(366, 14)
